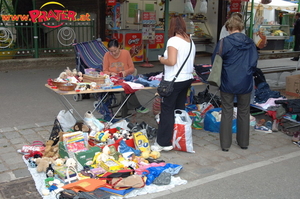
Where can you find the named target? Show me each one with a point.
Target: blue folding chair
(90, 55)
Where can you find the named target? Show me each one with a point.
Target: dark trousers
(243, 119)
(166, 122)
(297, 45)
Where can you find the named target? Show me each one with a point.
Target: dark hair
(298, 14)
(177, 25)
(113, 43)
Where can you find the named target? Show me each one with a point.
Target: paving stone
(12, 158)
(8, 129)
(49, 128)
(6, 177)
(12, 135)
(33, 137)
(4, 142)
(6, 149)
(203, 161)
(266, 147)
(22, 172)
(255, 158)
(19, 140)
(44, 134)
(12, 189)
(3, 167)
(45, 124)
(212, 147)
(27, 132)
(24, 127)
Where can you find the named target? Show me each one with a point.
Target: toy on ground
(50, 150)
(43, 163)
(70, 162)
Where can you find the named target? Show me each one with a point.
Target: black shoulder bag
(165, 88)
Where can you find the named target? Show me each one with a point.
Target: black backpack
(259, 77)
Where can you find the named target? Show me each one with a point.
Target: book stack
(75, 142)
(61, 173)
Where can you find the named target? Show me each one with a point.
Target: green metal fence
(34, 40)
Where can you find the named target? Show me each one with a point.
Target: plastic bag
(66, 119)
(188, 7)
(203, 7)
(211, 124)
(182, 135)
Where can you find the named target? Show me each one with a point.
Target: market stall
(268, 32)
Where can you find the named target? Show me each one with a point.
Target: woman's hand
(113, 74)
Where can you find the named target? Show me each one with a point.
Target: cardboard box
(292, 86)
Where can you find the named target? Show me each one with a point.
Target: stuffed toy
(59, 162)
(49, 171)
(70, 162)
(50, 150)
(114, 153)
(62, 77)
(104, 156)
(43, 163)
(92, 122)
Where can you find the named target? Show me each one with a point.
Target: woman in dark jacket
(240, 57)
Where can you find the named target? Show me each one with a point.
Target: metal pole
(35, 36)
(251, 20)
(166, 16)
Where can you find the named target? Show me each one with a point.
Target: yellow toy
(150, 154)
(155, 154)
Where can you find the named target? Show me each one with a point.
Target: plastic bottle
(190, 27)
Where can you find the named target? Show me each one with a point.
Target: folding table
(106, 91)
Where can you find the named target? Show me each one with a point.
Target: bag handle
(220, 48)
(182, 64)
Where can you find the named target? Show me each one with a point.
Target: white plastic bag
(182, 135)
(202, 5)
(66, 119)
(188, 7)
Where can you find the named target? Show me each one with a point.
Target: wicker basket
(98, 80)
(67, 87)
(58, 83)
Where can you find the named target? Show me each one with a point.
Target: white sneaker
(156, 147)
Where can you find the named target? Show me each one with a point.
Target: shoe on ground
(296, 137)
(142, 110)
(262, 129)
(293, 59)
(156, 147)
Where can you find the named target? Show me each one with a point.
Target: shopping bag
(66, 119)
(188, 7)
(212, 124)
(182, 135)
(214, 77)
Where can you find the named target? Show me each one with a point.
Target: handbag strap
(183, 62)
(220, 47)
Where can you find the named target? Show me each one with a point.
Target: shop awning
(276, 4)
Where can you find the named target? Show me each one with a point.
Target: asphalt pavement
(268, 169)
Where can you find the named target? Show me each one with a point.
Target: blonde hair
(234, 23)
